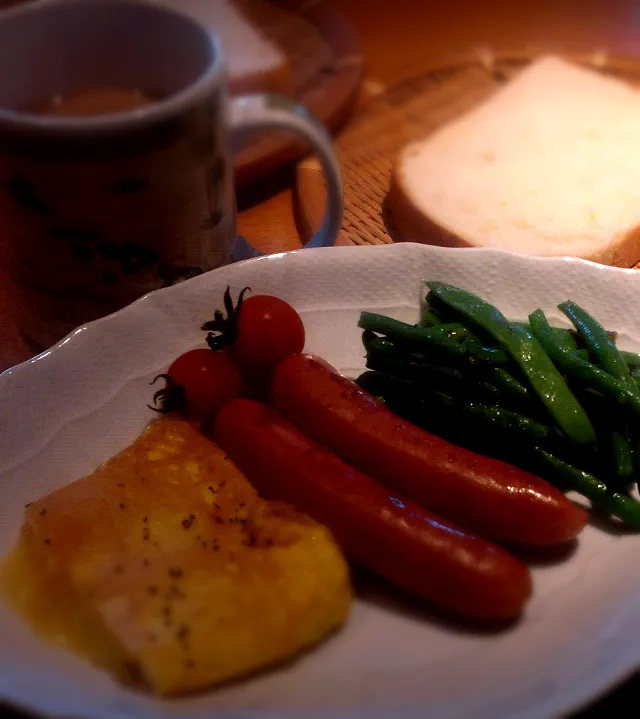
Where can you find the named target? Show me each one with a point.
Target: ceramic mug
(97, 210)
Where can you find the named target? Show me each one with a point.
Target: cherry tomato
(269, 330)
(209, 379)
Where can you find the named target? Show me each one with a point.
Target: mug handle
(277, 112)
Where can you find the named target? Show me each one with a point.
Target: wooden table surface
(401, 38)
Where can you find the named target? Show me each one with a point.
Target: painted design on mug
(101, 229)
(218, 170)
(112, 263)
(87, 245)
(131, 258)
(72, 234)
(211, 221)
(215, 193)
(25, 196)
(202, 131)
(205, 130)
(82, 253)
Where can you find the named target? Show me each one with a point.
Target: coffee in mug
(116, 173)
(100, 100)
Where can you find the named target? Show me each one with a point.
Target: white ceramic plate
(64, 412)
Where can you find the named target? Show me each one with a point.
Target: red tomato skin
(488, 496)
(269, 330)
(436, 560)
(210, 379)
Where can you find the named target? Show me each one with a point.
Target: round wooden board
(368, 146)
(327, 68)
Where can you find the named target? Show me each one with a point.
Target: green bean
(481, 381)
(496, 417)
(631, 358)
(627, 458)
(621, 456)
(580, 370)
(372, 381)
(476, 345)
(410, 338)
(432, 375)
(454, 331)
(384, 347)
(512, 437)
(491, 417)
(504, 387)
(566, 338)
(423, 372)
(600, 343)
(406, 334)
(618, 504)
(429, 318)
(379, 345)
(512, 393)
(491, 355)
(401, 397)
(525, 349)
(386, 385)
(634, 443)
(513, 387)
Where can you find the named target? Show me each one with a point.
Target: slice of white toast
(255, 63)
(549, 165)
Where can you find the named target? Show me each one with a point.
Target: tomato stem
(171, 398)
(223, 331)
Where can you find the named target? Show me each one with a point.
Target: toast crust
(408, 223)
(524, 173)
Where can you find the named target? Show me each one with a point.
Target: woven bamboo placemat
(326, 64)
(368, 146)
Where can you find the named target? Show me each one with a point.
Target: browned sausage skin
(484, 494)
(411, 547)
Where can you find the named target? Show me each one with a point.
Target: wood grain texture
(327, 66)
(400, 39)
(368, 148)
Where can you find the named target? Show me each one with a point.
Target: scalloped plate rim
(565, 699)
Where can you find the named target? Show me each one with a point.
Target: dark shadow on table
(621, 703)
